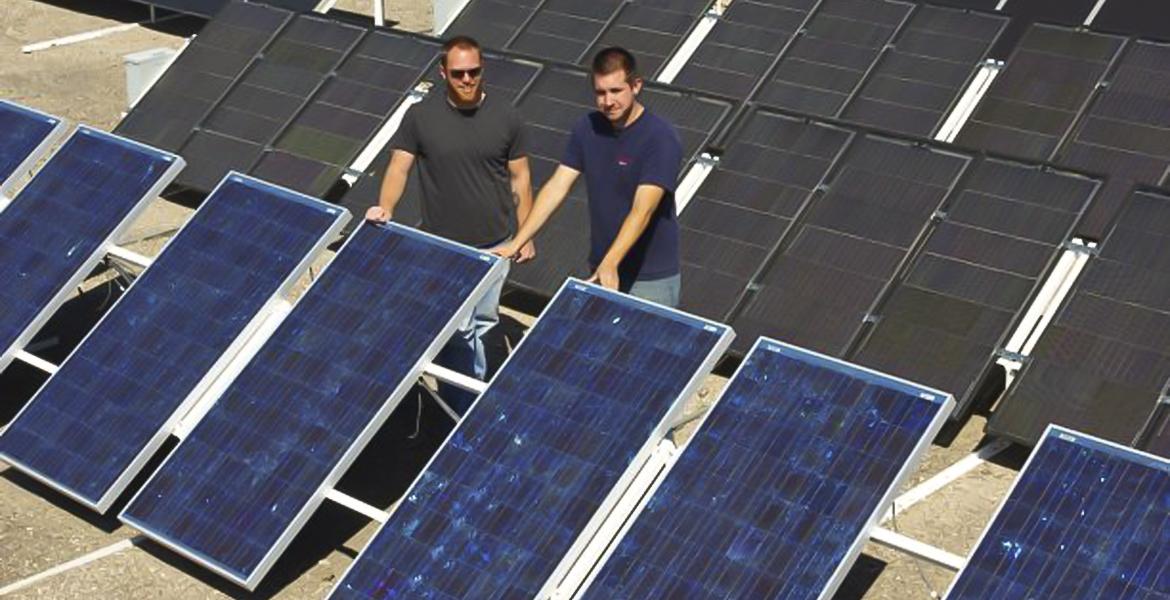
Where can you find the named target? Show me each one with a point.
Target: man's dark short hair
(613, 59)
(462, 42)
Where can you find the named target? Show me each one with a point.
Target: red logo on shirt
(623, 161)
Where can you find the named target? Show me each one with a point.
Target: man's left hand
(527, 252)
(606, 276)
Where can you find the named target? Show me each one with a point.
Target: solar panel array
(24, 136)
(774, 495)
(57, 228)
(105, 411)
(493, 22)
(1033, 103)
(1085, 519)
(564, 30)
(1100, 364)
(651, 29)
(972, 280)
(522, 475)
(211, 8)
(244, 480)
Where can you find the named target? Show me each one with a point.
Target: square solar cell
(974, 276)
(492, 22)
(823, 280)
(585, 397)
(564, 30)
(239, 487)
(1105, 356)
(652, 30)
(1032, 104)
(1086, 518)
(775, 494)
(56, 230)
(914, 84)
(25, 136)
(114, 400)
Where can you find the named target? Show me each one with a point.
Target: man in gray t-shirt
(473, 172)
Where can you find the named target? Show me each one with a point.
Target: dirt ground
(42, 534)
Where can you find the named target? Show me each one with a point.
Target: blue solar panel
(520, 478)
(1085, 519)
(93, 425)
(775, 493)
(55, 229)
(241, 484)
(24, 135)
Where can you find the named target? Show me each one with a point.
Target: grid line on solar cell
(775, 494)
(1085, 519)
(564, 30)
(242, 483)
(1103, 359)
(653, 31)
(57, 227)
(579, 403)
(202, 73)
(821, 282)
(493, 22)
(1032, 105)
(25, 136)
(971, 281)
(915, 82)
(89, 430)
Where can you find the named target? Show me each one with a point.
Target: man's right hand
(377, 214)
(506, 250)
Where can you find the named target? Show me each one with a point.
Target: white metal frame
(946, 404)
(1050, 432)
(200, 391)
(497, 270)
(83, 270)
(641, 458)
(26, 166)
(674, 65)
(969, 101)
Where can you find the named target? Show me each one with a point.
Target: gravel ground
(40, 530)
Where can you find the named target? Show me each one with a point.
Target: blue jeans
(464, 352)
(663, 291)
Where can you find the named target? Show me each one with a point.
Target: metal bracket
(1016, 357)
(1083, 249)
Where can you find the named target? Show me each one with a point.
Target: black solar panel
(1026, 12)
(564, 30)
(828, 59)
(1134, 17)
(916, 82)
(1102, 361)
(200, 76)
(848, 245)
(973, 278)
(492, 22)
(743, 45)
(1034, 102)
(985, 5)
(1126, 132)
(746, 205)
(210, 8)
(274, 89)
(651, 29)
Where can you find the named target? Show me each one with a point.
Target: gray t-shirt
(461, 159)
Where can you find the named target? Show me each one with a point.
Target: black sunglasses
(458, 74)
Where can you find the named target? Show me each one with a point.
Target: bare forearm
(391, 192)
(522, 196)
(632, 228)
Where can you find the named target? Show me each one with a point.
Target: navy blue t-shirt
(615, 164)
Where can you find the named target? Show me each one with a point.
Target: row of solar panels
(772, 497)
(210, 8)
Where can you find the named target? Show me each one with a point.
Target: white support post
(128, 256)
(357, 506)
(917, 549)
(455, 378)
(944, 478)
(1093, 13)
(90, 35)
(36, 361)
(968, 101)
(370, 153)
(379, 12)
(693, 180)
(688, 47)
(325, 6)
(1083, 251)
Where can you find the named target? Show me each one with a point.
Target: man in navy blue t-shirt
(631, 159)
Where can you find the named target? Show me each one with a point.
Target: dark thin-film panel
(522, 476)
(1156, 437)
(921, 76)
(651, 30)
(1025, 13)
(746, 205)
(1126, 133)
(966, 288)
(1032, 104)
(202, 73)
(1103, 359)
(492, 22)
(199, 8)
(503, 78)
(1085, 519)
(774, 496)
(263, 101)
(88, 431)
(1134, 17)
(241, 484)
(24, 136)
(349, 109)
(829, 57)
(746, 41)
(563, 30)
(58, 225)
(820, 286)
